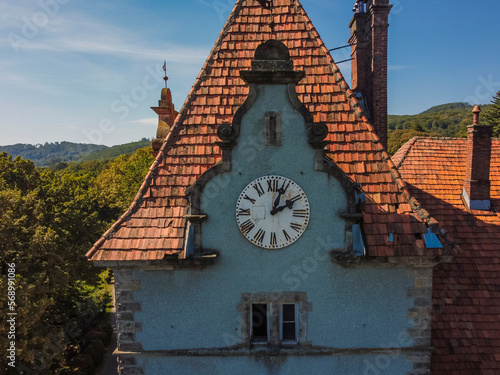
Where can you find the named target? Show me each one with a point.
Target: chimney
(476, 192)
(369, 36)
(166, 116)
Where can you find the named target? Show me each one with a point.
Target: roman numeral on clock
(249, 199)
(272, 185)
(299, 213)
(259, 236)
(296, 227)
(259, 189)
(247, 226)
(243, 212)
(273, 242)
(287, 236)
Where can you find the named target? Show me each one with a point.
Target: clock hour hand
(289, 204)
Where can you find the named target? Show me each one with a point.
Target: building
(273, 234)
(458, 181)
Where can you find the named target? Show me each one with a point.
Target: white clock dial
(272, 212)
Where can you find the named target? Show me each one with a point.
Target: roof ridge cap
(410, 144)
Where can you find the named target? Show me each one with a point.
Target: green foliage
(119, 183)
(115, 151)
(444, 107)
(447, 120)
(399, 137)
(57, 155)
(492, 115)
(51, 153)
(48, 221)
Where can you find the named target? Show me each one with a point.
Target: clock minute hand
(277, 200)
(280, 191)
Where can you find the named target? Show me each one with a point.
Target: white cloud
(146, 121)
(74, 33)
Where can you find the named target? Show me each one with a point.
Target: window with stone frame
(278, 318)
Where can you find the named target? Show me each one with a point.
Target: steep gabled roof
(466, 291)
(154, 226)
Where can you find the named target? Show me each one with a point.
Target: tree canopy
(48, 221)
(492, 115)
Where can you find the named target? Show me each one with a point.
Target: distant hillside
(115, 151)
(444, 107)
(448, 120)
(57, 152)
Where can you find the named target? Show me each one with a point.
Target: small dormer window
(273, 129)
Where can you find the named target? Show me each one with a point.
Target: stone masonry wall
(126, 306)
(421, 293)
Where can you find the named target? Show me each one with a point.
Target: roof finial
(165, 78)
(476, 111)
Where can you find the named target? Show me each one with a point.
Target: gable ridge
(399, 157)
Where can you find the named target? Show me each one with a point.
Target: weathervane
(165, 78)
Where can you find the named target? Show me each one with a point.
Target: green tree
(118, 184)
(399, 137)
(492, 115)
(49, 219)
(47, 222)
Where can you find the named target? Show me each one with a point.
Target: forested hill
(449, 120)
(49, 154)
(446, 120)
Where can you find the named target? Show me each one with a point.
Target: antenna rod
(343, 61)
(348, 45)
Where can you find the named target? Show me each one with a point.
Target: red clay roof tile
(466, 291)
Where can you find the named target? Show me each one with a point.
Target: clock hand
(289, 204)
(277, 200)
(280, 191)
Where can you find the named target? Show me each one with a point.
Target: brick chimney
(166, 116)
(476, 192)
(369, 36)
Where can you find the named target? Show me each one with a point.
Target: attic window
(273, 129)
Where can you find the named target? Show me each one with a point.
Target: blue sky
(89, 71)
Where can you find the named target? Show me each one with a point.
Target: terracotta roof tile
(466, 292)
(190, 148)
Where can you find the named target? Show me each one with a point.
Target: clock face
(272, 212)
